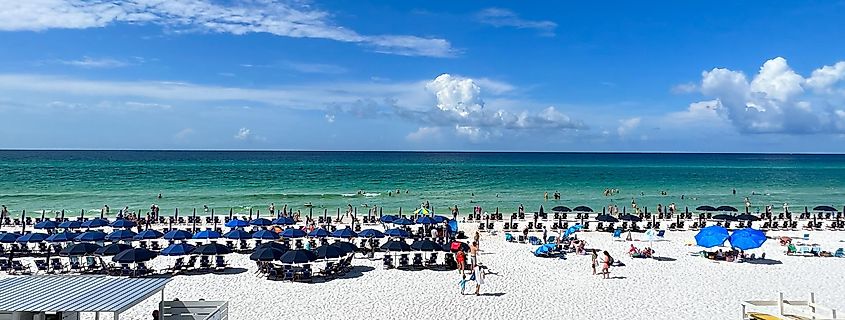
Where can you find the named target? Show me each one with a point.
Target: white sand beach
(680, 286)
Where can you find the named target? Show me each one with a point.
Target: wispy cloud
(89, 62)
(499, 17)
(282, 18)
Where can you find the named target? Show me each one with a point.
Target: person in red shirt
(460, 257)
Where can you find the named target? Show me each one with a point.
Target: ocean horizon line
(650, 152)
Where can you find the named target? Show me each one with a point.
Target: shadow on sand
(766, 262)
(665, 259)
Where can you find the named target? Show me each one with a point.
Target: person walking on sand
(461, 258)
(478, 276)
(605, 265)
(473, 254)
(595, 260)
(477, 238)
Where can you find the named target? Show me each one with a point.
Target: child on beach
(605, 266)
(595, 258)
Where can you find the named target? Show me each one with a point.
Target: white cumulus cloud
(424, 134)
(777, 99)
(281, 18)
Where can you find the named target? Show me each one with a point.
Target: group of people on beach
(477, 272)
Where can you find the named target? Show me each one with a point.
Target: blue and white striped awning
(83, 293)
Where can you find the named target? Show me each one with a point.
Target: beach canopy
(123, 223)
(298, 256)
(344, 233)
(112, 249)
(148, 234)
(397, 233)
(422, 211)
(705, 208)
(370, 233)
(318, 233)
(46, 224)
(91, 235)
(207, 234)
(426, 245)
(261, 222)
(95, 223)
(293, 233)
(582, 209)
(426, 220)
(134, 255)
(236, 223)
(747, 217)
(824, 208)
(329, 252)
(8, 237)
(266, 254)
(606, 218)
(711, 236)
(178, 249)
(396, 245)
(212, 249)
(561, 209)
(282, 221)
(79, 249)
(345, 246)
(387, 218)
(237, 234)
(630, 217)
(70, 224)
(265, 234)
(63, 236)
(726, 209)
(745, 239)
(545, 249)
(571, 230)
(121, 234)
(725, 217)
(177, 234)
(31, 238)
(402, 222)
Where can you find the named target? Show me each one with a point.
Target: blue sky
(423, 75)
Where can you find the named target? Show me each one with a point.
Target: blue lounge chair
(661, 233)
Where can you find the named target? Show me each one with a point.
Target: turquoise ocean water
(75, 180)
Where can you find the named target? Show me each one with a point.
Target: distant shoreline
(428, 151)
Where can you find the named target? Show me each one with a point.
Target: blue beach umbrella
(178, 249)
(112, 249)
(344, 233)
(606, 218)
(345, 246)
(426, 220)
(388, 218)
(70, 224)
(265, 234)
(293, 233)
(329, 252)
(545, 249)
(748, 238)
(426, 245)
(79, 249)
(370, 233)
(237, 234)
(212, 249)
(95, 223)
(318, 233)
(134, 255)
(207, 234)
(119, 235)
(8, 237)
(46, 224)
(148, 235)
(236, 223)
(273, 245)
(283, 221)
(177, 234)
(261, 222)
(123, 223)
(266, 254)
(402, 222)
(440, 219)
(396, 246)
(91, 235)
(397, 233)
(31, 238)
(298, 256)
(711, 236)
(569, 231)
(64, 236)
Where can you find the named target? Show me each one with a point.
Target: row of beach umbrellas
(743, 239)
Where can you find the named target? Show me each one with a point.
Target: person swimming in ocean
(159, 195)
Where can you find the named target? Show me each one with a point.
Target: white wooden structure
(787, 309)
(193, 310)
